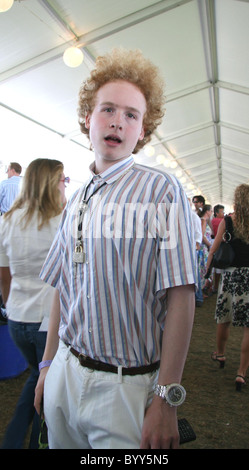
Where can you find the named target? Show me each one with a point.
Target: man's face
(197, 204)
(220, 214)
(116, 123)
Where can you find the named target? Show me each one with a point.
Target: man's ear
(87, 121)
(142, 134)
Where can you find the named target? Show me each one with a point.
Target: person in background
(26, 233)
(10, 188)
(206, 244)
(218, 216)
(198, 240)
(124, 307)
(233, 293)
(199, 202)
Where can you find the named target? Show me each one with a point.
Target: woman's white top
(24, 251)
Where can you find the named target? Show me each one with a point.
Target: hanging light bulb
(73, 57)
(160, 159)
(166, 163)
(179, 173)
(5, 5)
(149, 151)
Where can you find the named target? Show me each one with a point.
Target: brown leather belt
(90, 363)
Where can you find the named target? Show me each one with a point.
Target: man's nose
(116, 126)
(116, 122)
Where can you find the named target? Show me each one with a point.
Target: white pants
(86, 409)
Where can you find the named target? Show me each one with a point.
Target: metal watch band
(159, 390)
(164, 392)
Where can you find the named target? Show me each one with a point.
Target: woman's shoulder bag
(224, 256)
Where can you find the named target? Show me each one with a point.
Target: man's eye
(108, 110)
(131, 115)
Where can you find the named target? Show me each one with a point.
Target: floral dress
(203, 254)
(233, 293)
(233, 297)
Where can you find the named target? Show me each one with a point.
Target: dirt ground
(218, 414)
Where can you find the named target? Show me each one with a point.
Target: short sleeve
(176, 259)
(58, 254)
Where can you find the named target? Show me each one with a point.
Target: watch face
(175, 395)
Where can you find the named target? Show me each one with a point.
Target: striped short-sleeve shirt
(9, 190)
(138, 242)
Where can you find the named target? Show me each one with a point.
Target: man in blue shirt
(9, 188)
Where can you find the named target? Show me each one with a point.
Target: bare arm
(50, 349)
(5, 280)
(160, 429)
(216, 244)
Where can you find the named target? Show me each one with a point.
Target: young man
(123, 265)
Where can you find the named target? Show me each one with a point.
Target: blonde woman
(26, 233)
(233, 294)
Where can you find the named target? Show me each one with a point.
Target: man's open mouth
(113, 138)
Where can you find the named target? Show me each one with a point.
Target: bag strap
(228, 235)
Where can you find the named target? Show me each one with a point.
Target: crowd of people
(233, 292)
(231, 284)
(209, 220)
(101, 308)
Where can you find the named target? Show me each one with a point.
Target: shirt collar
(114, 172)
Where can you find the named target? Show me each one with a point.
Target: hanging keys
(84, 207)
(79, 256)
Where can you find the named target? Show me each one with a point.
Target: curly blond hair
(132, 67)
(241, 212)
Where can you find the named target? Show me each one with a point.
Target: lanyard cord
(83, 208)
(84, 200)
(84, 205)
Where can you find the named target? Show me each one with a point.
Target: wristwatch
(173, 394)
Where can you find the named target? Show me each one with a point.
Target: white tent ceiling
(202, 49)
